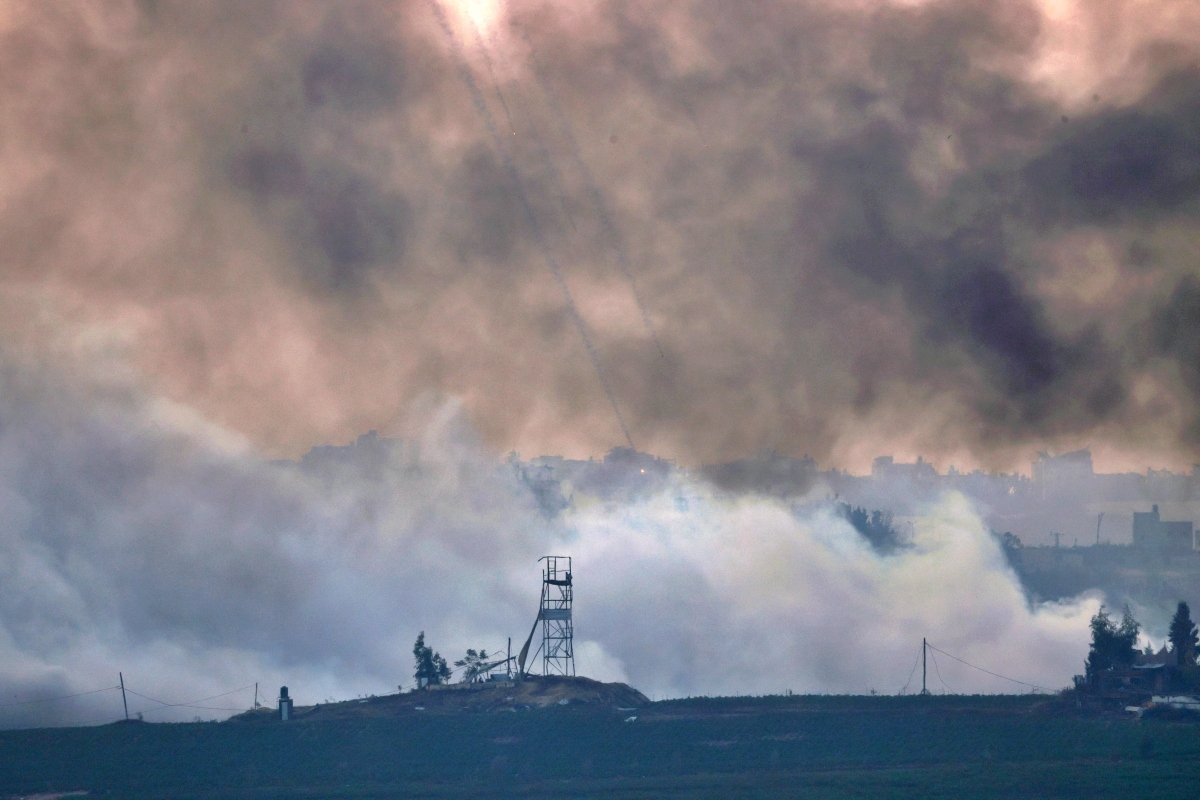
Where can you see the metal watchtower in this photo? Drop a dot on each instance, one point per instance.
(558, 649)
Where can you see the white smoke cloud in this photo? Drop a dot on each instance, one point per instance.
(133, 539)
(712, 596)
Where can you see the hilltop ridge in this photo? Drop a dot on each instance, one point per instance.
(534, 691)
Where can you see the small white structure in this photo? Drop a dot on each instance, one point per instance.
(1180, 702)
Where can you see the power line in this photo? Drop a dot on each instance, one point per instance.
(191, 703)
(62, 697)
(208, 708)
(162, 705)
(912, 672)
(144, 697)
(989, 672)
(939, 674)
(223, 694)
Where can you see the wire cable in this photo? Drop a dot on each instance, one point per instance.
(912, 672)
(939, 674)
(144, 697)
(989, 672)
(62, 697)
(211, 708)
(162, 705)
(190, 703)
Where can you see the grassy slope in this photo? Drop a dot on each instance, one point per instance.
(773, 747)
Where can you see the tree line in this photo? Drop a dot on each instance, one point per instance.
(432, 669)
(1114, 644)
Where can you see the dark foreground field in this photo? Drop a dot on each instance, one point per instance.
(810, 747)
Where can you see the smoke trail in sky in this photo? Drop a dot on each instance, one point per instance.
(487, 61)
(489, 122)
(611, 234)
(543, 153)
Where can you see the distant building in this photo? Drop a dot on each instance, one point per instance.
(885, 468)
(1068, 471)
(1152, 533)
(369, 454)
(766, 472)
(1051, 559)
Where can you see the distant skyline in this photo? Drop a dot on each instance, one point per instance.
(767, 453)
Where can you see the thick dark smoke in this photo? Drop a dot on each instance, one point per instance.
(516, 188)
(945, 227)
(1175, 333)
(230, 232)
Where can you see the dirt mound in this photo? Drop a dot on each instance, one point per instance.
(533, 692)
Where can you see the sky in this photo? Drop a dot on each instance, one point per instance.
(230, 232)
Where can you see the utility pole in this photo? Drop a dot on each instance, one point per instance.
(123, 702)
(1099, 519)
(255, 695)
(924, 647)
(508, 661)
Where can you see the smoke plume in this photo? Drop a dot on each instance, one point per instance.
(231, 232)
(959, 228)
(136, 540)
